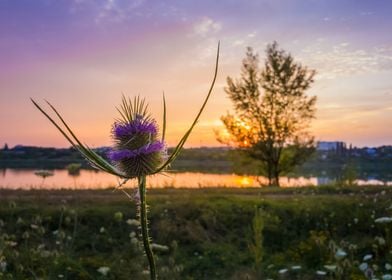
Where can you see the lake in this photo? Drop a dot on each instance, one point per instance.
(88, 179)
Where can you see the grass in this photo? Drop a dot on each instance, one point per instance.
(204, 233)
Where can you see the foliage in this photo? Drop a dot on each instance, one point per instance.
(74, 169)
(272, 112)
(203, 234)
(256, 246)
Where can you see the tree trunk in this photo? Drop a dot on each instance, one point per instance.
(276, 180)
(275, 175)
(270, 175)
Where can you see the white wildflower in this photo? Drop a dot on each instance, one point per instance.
(133, 222)
(340, 254)
(283, 271)
(363, 266)
(380, 240)
(367, 257)
(158, 247)
(3, 266)
(383, 220)
(330, 267)
(104, 270)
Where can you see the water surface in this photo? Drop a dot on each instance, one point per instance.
(87, 179)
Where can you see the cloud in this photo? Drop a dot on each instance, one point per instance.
(206, 26)
(342, 59)
(107, 11)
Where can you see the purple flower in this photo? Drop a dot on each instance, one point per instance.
(138, 125)
(137, 150)
(118, 155)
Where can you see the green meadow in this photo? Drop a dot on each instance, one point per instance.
(216, 233)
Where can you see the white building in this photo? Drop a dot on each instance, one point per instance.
(329, 146)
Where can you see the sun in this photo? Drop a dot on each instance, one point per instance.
(245, 181)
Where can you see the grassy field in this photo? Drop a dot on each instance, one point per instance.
(215, 233)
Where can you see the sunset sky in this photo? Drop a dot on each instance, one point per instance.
(82, 55)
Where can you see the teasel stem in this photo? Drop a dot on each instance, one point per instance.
(144, 226)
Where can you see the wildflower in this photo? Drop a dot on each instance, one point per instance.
(134, 241)
(388, 266)
(283, 271)
(381, 241)
(158, 247)
(383, 220)
(340, 254)
(363, 266)
(296, 267)
(11, 243)
(367, 257)
(133, 222)
(3, 266)
(137, 152)
(34, 226)
(321, 273)
(104, 270)
(330, 267)
(19, 221)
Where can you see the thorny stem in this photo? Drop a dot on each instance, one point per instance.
(144, 226)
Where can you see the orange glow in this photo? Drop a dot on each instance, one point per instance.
(245, 181)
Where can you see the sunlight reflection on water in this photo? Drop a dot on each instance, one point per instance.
(87, 179)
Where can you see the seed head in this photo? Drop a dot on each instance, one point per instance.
(137, 150)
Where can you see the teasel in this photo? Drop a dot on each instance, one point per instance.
(138, 151)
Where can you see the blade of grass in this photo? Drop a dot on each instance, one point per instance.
(164, 119)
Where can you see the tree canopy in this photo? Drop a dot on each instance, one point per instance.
(271, 112)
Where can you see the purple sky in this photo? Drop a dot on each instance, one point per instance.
(82, 55)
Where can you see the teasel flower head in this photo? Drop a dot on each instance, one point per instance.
(137, 149)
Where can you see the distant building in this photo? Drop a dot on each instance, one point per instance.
(330, 146)
(371, 152)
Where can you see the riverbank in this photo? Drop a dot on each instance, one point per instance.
(201, 233)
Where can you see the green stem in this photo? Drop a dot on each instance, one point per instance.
(144, 225)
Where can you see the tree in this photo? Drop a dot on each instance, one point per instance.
(272, 112)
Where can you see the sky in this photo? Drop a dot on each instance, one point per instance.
(82, 55)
